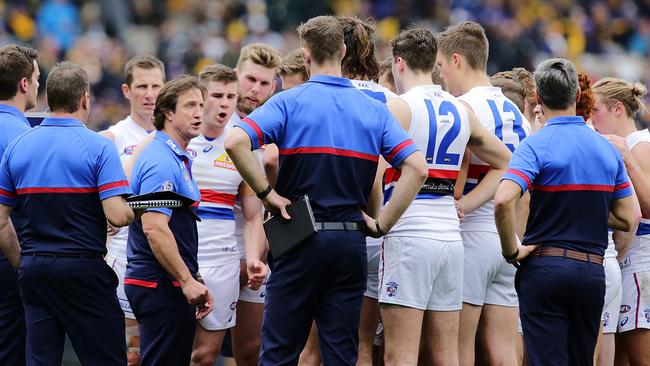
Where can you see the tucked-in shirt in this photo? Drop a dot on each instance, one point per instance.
(330, 137)
(573, 174)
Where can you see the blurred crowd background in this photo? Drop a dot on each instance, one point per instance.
(603, 37)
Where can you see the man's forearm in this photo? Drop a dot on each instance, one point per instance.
(408, 186)
(483, 192)
(254, 243)
(504, 215)
(641, 185)
(164, 248)
(239, 150)
(9, 242)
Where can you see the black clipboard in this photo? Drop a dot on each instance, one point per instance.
(168, 199)
(286, 235)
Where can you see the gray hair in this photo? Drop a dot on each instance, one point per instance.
(556, 81)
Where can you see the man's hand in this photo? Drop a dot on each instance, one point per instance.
(275, 204)
(459, 210)
(371, 226)
(111, 230)
(197, 294)
(525, 250)
(257, 272)
(621, 145)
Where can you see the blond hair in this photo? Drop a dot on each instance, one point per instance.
(260, 54)
(629, 94)
(293, 63)
(217, 72)
(467, 39)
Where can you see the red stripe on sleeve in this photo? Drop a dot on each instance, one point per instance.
(622, 186)
(522, 175)
(258, 130)
(121, 183)
(398, 148)
(7, 193)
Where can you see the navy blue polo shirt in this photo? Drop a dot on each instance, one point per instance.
(12, 124)
(162, 166)
(56, 175)
(573, 173)
(330, 137)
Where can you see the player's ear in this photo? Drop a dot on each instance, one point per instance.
(85, 101)
(306, 54)
(126, 91)
(578, 92)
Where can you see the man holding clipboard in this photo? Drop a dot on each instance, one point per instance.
(337, 135)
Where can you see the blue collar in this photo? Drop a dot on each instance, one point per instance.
(64, 122)
(566, 120)
(9, 109)
(328, 79)
(171, 144)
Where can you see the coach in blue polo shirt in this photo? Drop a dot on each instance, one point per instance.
(66, 182)
(18, 89)
(161, 280)
(578, 188)
(330, 137)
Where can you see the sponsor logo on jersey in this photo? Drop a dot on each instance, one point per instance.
(233, 305)
(625, 308)
(391, 288)
(207, 149)
(605, 318)
(624, 321)
(646, 313)
(167, 185)
(129, 149)
(223, 161)
(191, 153)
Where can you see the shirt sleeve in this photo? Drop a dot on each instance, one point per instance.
(7, 185)
(266, 123)
(622, 187)
(157, 176)
(524, 167)
(396, 143)
(111, 180)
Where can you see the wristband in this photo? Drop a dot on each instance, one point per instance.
(511, 257)
(262, 195)
(379, 230)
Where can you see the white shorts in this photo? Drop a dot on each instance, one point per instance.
(120, 268)
(422, 273)
(255, 296)
(487, 278)
(223, 284)
(613, 295)
(372, 282)
(635, 306)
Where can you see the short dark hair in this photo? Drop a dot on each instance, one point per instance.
(556, 82)
(65, 85)
(168, 97)
(323, 36)
(359, 61)
(418, 47)
(16, 62)
(293, 63)
(146, 62)
(468, 39)
(217, 72)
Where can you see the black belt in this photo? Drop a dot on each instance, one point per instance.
(64, 255)
(340, 226)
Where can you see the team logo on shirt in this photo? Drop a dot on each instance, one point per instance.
(167, 185)
(223, 161)
(391, 288)
(605, 318)
(129, 149)
(191, 153)
(625, 308)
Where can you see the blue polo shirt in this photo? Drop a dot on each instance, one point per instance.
(56, 175)
(330, 137)
(573, 174)
(162, 166)
(12, 124)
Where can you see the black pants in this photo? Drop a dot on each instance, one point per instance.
(167, 323)
(74, 296)
(323, 280)
(560, 304)
(12, 317)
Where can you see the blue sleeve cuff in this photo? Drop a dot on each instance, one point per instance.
(401, 152)
(622, 193)
(517, 179)
(117, 191)
(11, 202)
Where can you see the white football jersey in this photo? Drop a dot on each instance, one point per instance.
(127, 135)
(218, 181)
(440, 129)
(382, 94)
(501, 116)
(638, 256)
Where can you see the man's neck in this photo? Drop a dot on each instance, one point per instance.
(76, 115)
(325, 69)
(182, 143)
(472, 79)
(410, 80)
(626, 127)
(140, 121)
(568, 112)
(18, 103)
(212, 132)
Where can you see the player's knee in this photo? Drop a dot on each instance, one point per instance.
(203, 356)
